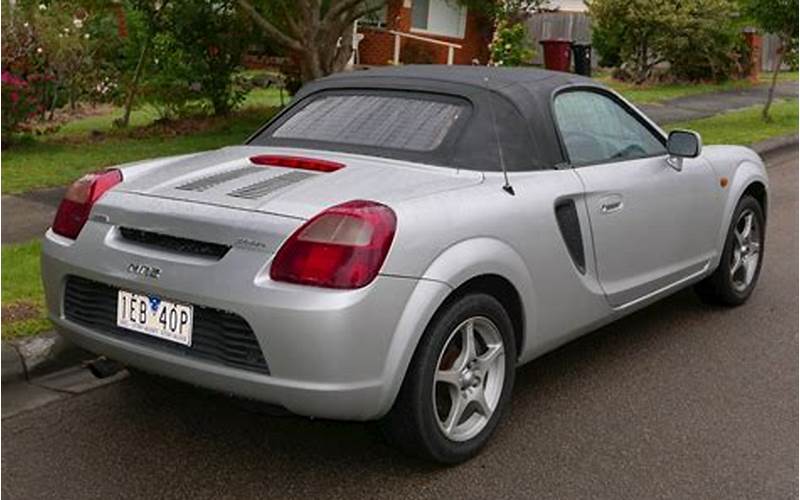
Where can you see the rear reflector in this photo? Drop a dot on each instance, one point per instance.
(342, 247)
(297, 162)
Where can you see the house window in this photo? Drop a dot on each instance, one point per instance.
(439, 17)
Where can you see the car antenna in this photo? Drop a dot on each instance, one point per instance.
(507, 187)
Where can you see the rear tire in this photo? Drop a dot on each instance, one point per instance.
(454, 395)
(740, 265)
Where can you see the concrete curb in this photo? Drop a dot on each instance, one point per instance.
(774, 144)
(41, 354)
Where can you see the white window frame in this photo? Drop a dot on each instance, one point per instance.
(462, 28)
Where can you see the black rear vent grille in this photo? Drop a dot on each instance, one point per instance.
(218, 336)
(265, 187)
(174, 243)
(210, 181)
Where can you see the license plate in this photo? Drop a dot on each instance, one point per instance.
(155, 316)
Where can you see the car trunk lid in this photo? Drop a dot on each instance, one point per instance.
(228, 178)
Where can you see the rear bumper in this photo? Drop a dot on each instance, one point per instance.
(347, 401)
(331, 354)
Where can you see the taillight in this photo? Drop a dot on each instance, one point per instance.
(300, 162)
(73, 212)
(342, 247)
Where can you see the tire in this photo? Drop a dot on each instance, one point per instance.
(727, 286)
(421, 421)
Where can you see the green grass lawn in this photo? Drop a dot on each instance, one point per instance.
(47, 163)
(745, 126)
(660, 92)
(650, 94)
(22, 295)
(59, 158)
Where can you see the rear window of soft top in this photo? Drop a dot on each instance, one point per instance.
(403, 121)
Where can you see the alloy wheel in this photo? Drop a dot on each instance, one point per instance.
(469, 378)
(746, 250)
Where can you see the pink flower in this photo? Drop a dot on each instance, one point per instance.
(14, 97)
(13, 80)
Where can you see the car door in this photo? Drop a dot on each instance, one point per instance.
(650, 222)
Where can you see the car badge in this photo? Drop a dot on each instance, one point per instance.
(145, 271)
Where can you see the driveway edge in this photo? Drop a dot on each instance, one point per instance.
(38, 355)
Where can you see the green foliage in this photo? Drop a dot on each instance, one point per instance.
(698, 38)
(53, 53)
(194, 51)
(773, 16)
(511, 45)
(779, 17)
(607, 42)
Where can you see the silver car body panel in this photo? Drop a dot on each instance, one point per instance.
(343, 353)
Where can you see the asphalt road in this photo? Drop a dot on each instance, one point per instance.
(681, 400)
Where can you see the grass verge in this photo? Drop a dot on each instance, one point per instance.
(660, 92)
(745, 126)
(23, 311)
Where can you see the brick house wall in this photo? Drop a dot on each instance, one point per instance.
(377, 47)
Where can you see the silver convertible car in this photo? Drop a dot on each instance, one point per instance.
(395, 242)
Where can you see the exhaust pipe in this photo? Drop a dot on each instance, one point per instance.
(104, 368)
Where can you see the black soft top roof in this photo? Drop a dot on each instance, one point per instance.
(518, 100)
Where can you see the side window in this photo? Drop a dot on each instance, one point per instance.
(596, 129)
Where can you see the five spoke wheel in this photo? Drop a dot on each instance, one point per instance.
(746, 250)
(469, 378)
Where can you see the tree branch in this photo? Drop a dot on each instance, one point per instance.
(268, 28)
(338, 8)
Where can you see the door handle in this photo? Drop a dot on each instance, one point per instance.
(611, 204)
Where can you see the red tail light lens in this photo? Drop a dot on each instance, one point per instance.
(73, 212)
(342, 247)
(297, 162)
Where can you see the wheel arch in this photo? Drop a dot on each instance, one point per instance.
(758, 190)
(502, 290)
(749, 177)
(484, 264)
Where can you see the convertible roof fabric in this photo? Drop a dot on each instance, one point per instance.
(511, 106)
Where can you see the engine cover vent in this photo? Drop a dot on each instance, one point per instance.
(210, 181)
(265, 187)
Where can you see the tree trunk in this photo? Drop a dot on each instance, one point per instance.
(137, 75)
(771, 93)
(310, 67)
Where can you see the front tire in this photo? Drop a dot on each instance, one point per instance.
(458, 384)
(740, 265)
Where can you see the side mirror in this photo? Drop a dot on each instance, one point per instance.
(683, 144)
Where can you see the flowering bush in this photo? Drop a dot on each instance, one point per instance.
(511, 45)
(51, 56)
(18, 102)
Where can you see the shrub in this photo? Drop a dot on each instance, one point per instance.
(698, 38)
(18, 103)
(196, 50)
(511, 45)
(52, 55)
